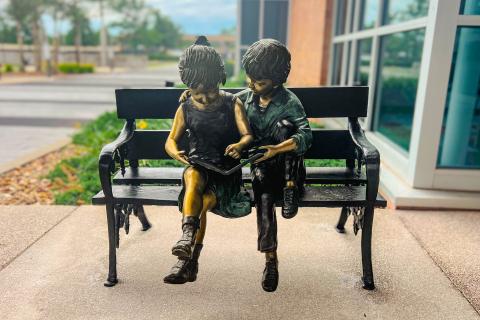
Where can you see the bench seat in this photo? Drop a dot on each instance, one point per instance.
(325, 196)
(169, 175)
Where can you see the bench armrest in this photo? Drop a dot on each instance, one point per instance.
(370, 155)
(106, 160)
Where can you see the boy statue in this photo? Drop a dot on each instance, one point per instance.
(280, 127)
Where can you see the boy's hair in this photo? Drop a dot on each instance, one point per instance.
(200, 64)
(267, 59)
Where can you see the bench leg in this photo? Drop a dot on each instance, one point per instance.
(367, 278)
(342, 220)
(112, 250)
(143, 218)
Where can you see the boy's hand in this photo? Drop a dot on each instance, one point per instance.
(234, 151)
(184, 96)
(180, 156)
(271, 151)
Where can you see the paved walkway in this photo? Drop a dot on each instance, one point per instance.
(57, 271)
(37, 112)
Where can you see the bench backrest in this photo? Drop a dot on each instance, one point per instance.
(319, 102)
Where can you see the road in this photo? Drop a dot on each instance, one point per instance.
(37, 114)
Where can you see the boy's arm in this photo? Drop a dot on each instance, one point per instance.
(303, 136)
(235, 150)
(243, 95)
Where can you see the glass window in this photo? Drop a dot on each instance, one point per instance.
(352, 14)
(470, 7)
(460, 140)
(362, 62)
(341, 17)
(368, 14)
(403, 10)
(337, 63)
(399, 66)
(250, 15)
(274, 26)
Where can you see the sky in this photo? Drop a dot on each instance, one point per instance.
(193, 16)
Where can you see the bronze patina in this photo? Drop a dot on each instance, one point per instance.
(215, 125)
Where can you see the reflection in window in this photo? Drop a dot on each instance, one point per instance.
(460, 141)
(400, 57)
(337, 63)
(341, 16)
(362, 62)
(470, 7)
(368, 14)
(404, 10)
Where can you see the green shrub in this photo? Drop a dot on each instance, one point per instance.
(70, 67)
(229, 68)
(8, 68)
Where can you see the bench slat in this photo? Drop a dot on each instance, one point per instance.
(168, 195)
(169, 175)
(327, 144)
(319, 102)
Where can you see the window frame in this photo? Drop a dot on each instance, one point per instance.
(418, 167)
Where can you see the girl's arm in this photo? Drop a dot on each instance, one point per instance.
(176, 133)
(235, 150)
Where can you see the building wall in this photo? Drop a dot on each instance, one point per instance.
(309, 41)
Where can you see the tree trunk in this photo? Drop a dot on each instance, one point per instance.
(37, 45)
(56, 44)
(78, 42)
(20, 46)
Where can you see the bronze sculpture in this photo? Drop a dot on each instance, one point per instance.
(280, 127)
(217, 132)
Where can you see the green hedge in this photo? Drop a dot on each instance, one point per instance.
(76, 68)
(8, 68)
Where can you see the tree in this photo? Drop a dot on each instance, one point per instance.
(21, 12)
(144, 28)
(79, 20)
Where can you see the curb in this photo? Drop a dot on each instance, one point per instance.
(33, 155)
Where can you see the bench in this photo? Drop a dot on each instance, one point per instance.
(353, 187)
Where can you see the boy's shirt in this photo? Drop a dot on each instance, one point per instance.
(284, 105)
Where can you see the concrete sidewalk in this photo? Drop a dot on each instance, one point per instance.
(58, 271)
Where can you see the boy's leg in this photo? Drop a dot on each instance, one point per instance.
(264, 184)
(294, 171)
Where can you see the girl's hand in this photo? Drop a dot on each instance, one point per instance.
(271, 151)
(234, 151)
(180, 156)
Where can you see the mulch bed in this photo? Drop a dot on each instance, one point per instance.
(28, 184)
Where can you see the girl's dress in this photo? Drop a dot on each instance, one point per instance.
(209, 132)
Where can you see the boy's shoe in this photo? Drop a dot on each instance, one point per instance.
(270, 276)
(290, 202)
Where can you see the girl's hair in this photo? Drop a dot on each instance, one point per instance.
(267, 59)
(200, 64)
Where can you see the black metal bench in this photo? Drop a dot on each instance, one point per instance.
(353, 187)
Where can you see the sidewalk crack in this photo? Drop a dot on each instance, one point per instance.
(2, 267)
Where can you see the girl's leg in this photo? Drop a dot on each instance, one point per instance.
(209, 202)
(186, 270)
(195, 183)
